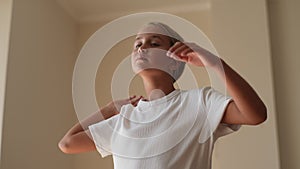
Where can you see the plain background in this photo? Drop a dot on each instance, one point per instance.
(40, 40)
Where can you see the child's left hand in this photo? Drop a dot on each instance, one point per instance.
(193, 54)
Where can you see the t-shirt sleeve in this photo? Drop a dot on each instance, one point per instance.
(102, 133)
(214, 105)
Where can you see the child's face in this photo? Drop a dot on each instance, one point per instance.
(149, 51)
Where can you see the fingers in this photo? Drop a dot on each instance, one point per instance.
(132, 97)
(134, 100)
(179, 51)
(186, 51)
(174, 47)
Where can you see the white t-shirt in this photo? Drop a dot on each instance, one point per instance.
(176, 131)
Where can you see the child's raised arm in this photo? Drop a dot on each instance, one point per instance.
(246, 107)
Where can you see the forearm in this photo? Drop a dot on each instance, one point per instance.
(246, 99)
(104, 113)
(77, 143)
(78, 138)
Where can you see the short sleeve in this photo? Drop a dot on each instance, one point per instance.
(214, 105)
(102, 133)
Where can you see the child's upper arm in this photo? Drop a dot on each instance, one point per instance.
(232, 115)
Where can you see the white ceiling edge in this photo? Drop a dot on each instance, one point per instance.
(191, 7)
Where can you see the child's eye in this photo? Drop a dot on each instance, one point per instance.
(138, 45)
(155, 44)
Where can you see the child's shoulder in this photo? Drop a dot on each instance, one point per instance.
(200, 90)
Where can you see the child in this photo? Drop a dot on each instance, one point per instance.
(170, 128)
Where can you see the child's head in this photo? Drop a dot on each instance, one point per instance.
(152, 42)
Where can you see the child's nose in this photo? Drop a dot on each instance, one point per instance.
(142, 49)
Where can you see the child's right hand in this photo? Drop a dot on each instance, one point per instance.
(115, 106)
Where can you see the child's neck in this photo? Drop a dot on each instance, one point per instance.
(157, 88)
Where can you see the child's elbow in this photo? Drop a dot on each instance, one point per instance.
(64, 146)
(262, 116)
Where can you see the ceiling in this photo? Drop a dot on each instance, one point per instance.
(104, 10)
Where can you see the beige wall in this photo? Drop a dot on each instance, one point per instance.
(38, 102)
(241, 35)
(285, 39)
(44, 44)
(5, 20)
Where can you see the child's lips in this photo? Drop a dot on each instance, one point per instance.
(141, 60)
(141, 57)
